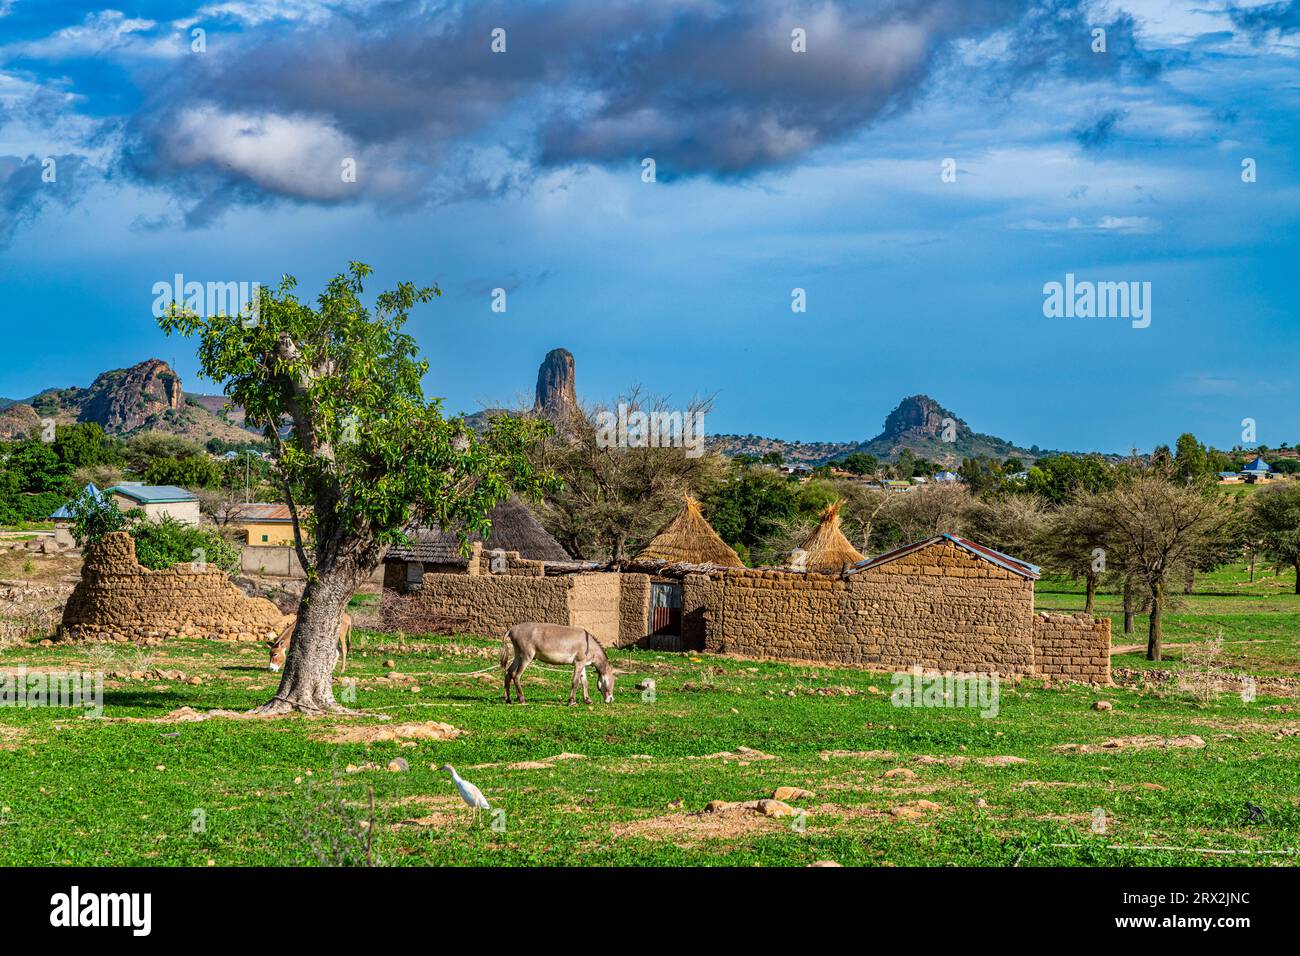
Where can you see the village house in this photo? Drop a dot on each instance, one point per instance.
(262, 524)
(945, 602)
(156, 501)
(62, 518)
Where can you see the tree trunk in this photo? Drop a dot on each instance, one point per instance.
(1297, 577)
(1128, 605)
(1189, 582)
(308, 681)
(1157, 611)
(1252, 567)
(1091, 593)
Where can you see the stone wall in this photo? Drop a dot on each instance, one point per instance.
(117, 599)
(594, 605)
(1072, 647)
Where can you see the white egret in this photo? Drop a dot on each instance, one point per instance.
(471, 794)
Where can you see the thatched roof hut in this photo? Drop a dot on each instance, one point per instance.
(514, 528)
(826, 548)
(689, 539)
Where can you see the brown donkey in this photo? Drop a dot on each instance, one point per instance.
(557, 644)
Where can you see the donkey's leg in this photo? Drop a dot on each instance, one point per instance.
(509, 668)
(586, 698)
(573, 684)
(522, 663)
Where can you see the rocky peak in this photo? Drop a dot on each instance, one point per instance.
(557, 395)
(919, 416)
(125, 399)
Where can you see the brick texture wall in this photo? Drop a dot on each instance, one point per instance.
(938, 608)
(1072, 647)
(117, 599)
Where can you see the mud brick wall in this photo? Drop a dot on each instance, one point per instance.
(117, 599)
(943, 608)
(486, 604)
(938, 608)
(633, 608)
(594, 605)
(1072, 647)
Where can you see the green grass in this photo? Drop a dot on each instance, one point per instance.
(1259, 622)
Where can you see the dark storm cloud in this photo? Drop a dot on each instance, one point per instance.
(1098, 133)
(1259, 21)
(25, 187)
(428, 112)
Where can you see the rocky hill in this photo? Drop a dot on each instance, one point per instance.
(919, 424)
(144, 397)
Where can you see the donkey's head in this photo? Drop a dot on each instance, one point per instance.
(279, 651)
(605, 683)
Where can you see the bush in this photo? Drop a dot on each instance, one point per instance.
(169, 542)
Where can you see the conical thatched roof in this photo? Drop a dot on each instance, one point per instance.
(689, 539)
(827, 548)
(514, 528)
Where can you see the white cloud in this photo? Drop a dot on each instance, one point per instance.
(296, 155)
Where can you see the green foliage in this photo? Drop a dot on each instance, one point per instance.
(85, 444)
(369, 454)
(160, 545)
(1275, 518)
(146, 447)
(859, 463)
(93, 518)
(1058, 478)
(194, 471)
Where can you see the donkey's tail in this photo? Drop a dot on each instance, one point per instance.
(506, 648)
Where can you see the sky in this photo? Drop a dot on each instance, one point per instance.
(920, 169)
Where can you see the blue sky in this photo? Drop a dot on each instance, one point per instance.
(775, 170)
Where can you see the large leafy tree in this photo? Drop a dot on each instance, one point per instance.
(1275, 524)
(336, 390)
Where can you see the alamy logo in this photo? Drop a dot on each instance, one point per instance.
(208, 299)
(633, 428)
(1101, 300)
(73, 909)
(916, 688)
(84, 689)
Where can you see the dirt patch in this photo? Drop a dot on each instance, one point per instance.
(9, 737)
(858, 754)
(741, 754)
(958, 760)
(184, 715)
(1140, 742)
(429, 730)
(692, 829)
(443, 813)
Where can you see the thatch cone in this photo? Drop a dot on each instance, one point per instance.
(826, 547)
(689, 539)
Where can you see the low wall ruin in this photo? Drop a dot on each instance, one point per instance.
(118, 599)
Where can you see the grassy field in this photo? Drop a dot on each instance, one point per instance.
(626, 784)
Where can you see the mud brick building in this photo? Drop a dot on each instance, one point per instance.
(945, 603)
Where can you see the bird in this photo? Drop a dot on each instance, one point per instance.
(471, 794)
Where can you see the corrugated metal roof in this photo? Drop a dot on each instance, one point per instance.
(263, 511)
(152, 494)
(1004, 561)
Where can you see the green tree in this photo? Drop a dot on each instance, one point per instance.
(93, 518)
(85, 444)
(1275, 523)
(859, 463)
(751, 510)
(371, 455)
(1191, 461)
(1058, 478)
